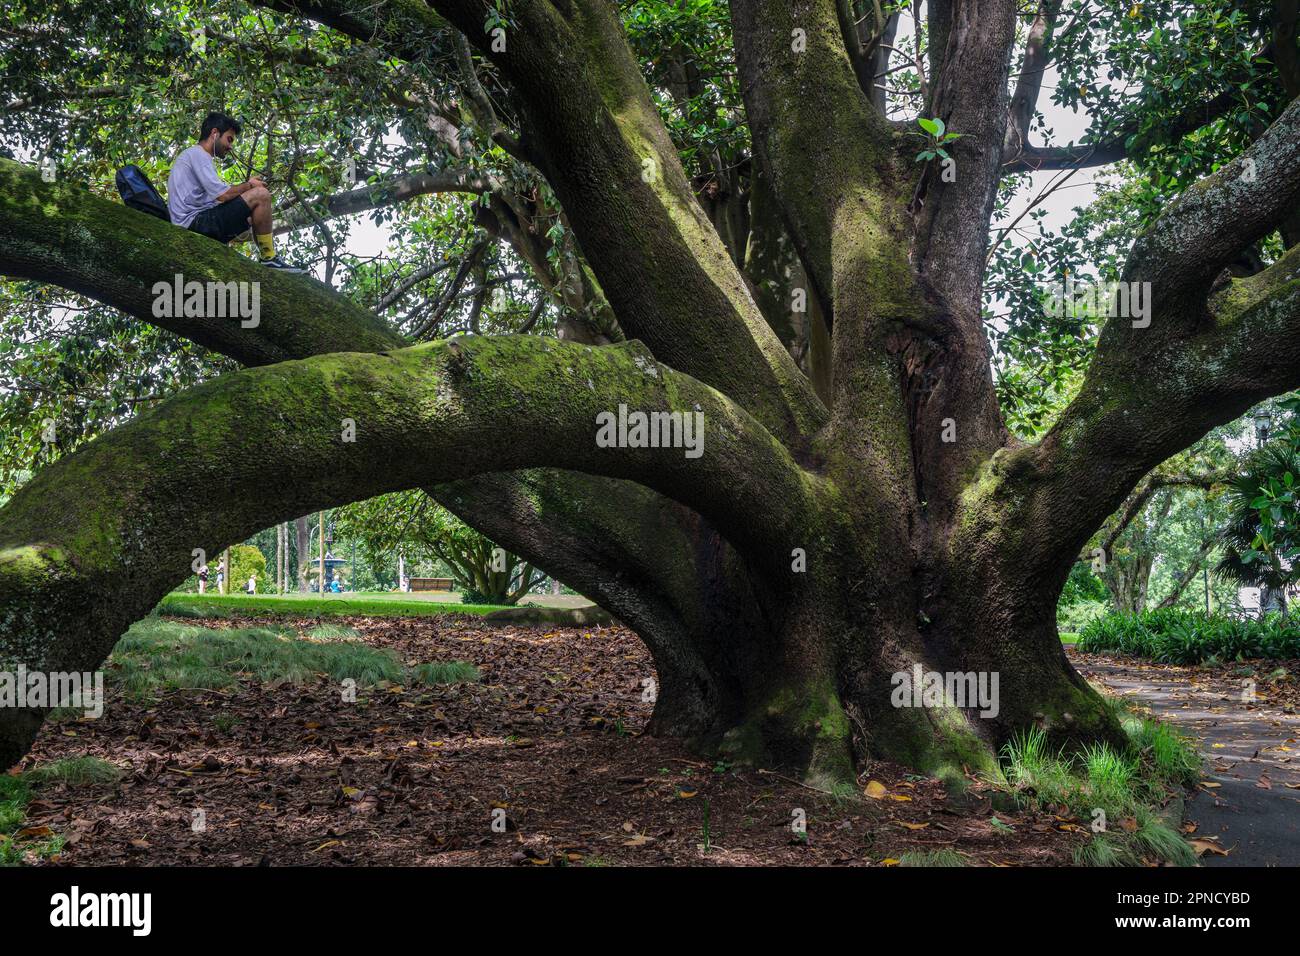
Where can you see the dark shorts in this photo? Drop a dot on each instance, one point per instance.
(224, 221)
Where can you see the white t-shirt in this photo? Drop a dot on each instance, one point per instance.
(193, 185)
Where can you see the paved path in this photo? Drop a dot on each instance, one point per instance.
(1251, 751)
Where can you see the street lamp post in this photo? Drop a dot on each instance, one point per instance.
(1261, 423)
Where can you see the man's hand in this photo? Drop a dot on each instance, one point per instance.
(252, 183)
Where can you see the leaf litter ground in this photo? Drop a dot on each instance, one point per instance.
(548, 745)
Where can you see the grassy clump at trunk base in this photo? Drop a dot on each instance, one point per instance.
(1116, 794)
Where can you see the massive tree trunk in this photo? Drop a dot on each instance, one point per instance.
(827, 539)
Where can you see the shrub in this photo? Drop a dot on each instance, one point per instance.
(1176, 636)
(245, 561)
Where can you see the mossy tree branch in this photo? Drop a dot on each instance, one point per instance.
(94, 540)
(1155, 386)
(64, 234)
(1049, 498)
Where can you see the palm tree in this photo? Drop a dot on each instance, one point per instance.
(1262, 537)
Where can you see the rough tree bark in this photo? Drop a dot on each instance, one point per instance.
(818, 547)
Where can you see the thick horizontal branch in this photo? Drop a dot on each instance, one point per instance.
(63, 234)
(117, 256)
(1033, 159)
(94, 540)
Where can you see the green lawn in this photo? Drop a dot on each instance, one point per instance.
(185, 604)
(157, 655)
(1068, 637)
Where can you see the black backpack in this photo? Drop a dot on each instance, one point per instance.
(138, 193)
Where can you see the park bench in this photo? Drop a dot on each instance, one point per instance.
(430, 584)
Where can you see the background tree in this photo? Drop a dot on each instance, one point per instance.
(414, 525)
(1262, 534)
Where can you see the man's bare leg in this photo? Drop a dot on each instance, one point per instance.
(261, 219)
(258, 200)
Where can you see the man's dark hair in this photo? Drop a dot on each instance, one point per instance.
(220, 122)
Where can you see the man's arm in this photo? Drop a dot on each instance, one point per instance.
(239, 190)
(217, 185)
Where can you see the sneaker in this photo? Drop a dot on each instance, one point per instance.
(275, 262)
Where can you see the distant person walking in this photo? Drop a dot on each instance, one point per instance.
(203, 579)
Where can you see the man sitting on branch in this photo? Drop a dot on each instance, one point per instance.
(202, 202)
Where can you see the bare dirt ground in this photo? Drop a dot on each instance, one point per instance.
(549, 743)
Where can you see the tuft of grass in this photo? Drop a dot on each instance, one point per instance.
(14, 794)
(1152, 838)
(157, 655)
(1101, 850)
(75, 772)
(334, 632)
(436, 673)
(1172, 757)
(1110, 776)
(1162, 841)
(225, 723)
(843, 792)
(1038, 774)
(928, 858)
